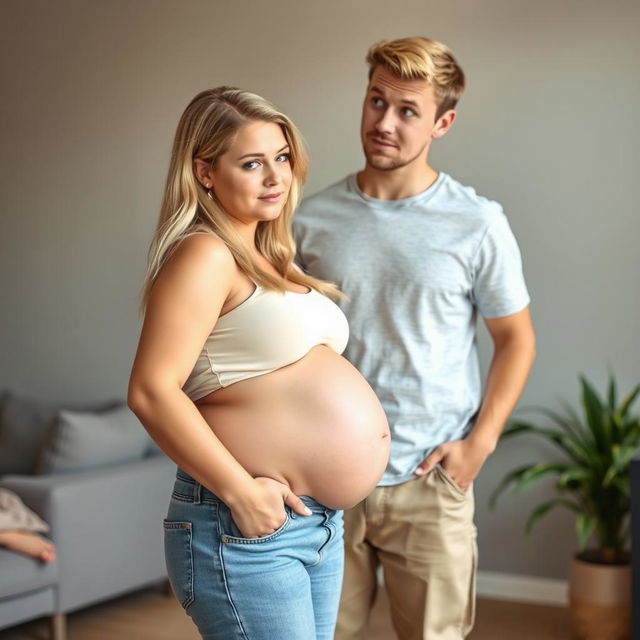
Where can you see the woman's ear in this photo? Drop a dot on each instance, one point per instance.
(204, 172)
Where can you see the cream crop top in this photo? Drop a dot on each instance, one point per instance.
(267, 331)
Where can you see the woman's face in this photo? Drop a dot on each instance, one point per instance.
(252, 179)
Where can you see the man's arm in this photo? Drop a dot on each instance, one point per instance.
(514, 351)
(513, 355)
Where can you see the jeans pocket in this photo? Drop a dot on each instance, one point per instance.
(179, 558)
(230, 534)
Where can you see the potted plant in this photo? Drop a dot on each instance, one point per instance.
(592, 478)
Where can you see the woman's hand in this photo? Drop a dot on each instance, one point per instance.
(264, 512)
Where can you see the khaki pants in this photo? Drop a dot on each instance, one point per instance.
(422, 533)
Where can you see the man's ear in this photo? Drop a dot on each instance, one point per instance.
(443, 124)
(204, 172)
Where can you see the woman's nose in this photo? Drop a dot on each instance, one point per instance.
(272, 176)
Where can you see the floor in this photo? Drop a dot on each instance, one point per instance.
(152, 615)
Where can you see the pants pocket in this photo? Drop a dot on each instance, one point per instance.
(448, 480)
(230, 534)
(178, 537)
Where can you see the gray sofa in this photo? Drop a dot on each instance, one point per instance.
(97, 479)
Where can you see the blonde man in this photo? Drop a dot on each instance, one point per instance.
(419, 255)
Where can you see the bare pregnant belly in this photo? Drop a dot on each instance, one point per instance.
(315, 425)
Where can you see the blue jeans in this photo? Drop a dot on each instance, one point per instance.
(284, 586)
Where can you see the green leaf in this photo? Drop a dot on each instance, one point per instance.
(569, 445)
(572, 475)
(515, 427)
(536, 472)
(620, 463)
(594, 412)
(631, 437)
(544, 508)
(628, 401)
(612, 394)
(627, 429)
(570, 423)
(623, 487)
(585, 526)
(510, 478)
(579, 426)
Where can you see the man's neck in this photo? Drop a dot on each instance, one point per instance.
(396, 184)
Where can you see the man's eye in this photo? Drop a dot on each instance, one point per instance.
(249, 166)
(377, 102)
(407, 112)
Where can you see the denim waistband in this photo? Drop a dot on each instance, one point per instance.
(202, 494)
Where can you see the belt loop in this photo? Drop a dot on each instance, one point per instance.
(197, 493)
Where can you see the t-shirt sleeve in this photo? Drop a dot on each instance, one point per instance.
(499, 288)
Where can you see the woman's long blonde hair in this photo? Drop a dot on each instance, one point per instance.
(205, 131)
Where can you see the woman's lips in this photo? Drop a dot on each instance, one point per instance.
(271, 197)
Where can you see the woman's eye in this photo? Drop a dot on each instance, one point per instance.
(249, 166)
(283, 157)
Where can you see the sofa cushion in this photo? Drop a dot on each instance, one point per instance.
(24, 425)
(81, 440)
(21, 574)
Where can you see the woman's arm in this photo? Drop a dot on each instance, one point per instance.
(183, 307)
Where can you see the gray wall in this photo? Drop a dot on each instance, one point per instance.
(92, 92)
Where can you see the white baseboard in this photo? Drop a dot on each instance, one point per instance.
(505, 586)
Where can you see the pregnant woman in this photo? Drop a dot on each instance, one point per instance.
(239, 378)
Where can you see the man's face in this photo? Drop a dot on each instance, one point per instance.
(398, 121)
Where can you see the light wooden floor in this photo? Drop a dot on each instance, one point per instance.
(151, 615)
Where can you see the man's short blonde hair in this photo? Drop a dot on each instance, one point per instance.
(421, 59)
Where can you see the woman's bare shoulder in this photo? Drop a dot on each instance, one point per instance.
(202, 252)
(200, 265)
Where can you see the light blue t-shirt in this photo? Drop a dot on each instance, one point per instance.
(416, 272)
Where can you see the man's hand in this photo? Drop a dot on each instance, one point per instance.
(461, 459)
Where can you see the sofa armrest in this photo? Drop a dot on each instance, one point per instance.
(106, 523)
(34, 491)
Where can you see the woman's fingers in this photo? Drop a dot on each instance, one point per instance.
(268, 516)
(293, 501)
(290, 498)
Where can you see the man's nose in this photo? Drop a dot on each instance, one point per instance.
(386, 122)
